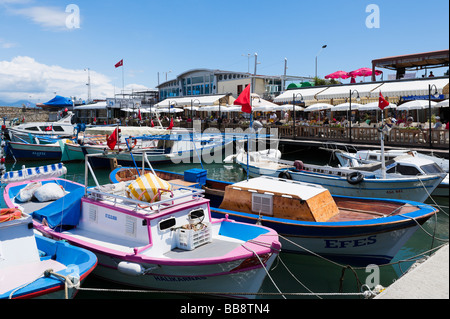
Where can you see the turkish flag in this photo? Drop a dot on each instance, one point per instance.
(382, 103)
(139, 115)
(120, 63)
(112, 140)
(244, 100)
(153, 125)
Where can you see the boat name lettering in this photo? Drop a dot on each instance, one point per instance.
(38, 154)
(393, 191)
(333, 243)
(111, 216)
(164, 278)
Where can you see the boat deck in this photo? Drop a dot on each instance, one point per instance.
(366, 210)
(18, 275)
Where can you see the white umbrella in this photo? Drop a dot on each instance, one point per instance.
(172, 110)
(288, 107)
(442, 103)
(373, 106)
(127, 110)
(415, 105)
(345, 107)
(318, 107)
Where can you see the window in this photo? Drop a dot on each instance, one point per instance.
(262, 203)
(404, 170)
(57, 128)
(432, 168)
(167, 223)
(32, 128)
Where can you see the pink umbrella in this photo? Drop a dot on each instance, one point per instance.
(364, 72)
(338, 75)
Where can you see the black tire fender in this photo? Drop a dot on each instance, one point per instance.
(355, 178)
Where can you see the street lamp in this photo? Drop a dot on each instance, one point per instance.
(323, 47)
(435, 94)
(350, 111)
(293, 112)
(192, 112)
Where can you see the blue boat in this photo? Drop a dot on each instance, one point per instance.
(353, 230)
(33, 266)
(35, 152)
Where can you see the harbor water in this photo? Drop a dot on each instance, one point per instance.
(292, 276)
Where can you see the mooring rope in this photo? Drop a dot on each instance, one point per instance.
(47, 273)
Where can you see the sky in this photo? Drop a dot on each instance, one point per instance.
(46, 46)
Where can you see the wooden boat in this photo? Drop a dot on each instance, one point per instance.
(172, 243)
(357, 231)
(25, 257)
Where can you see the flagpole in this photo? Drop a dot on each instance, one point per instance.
(123, 82)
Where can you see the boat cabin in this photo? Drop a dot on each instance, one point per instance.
(280, 198)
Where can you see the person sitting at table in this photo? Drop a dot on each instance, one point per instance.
(438, 124)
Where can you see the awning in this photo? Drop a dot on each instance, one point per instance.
(307, 93)
(343, 91)
(195, 100)
(408, 88)
(95, 106)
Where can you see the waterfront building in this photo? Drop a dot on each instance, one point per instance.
(198, 82)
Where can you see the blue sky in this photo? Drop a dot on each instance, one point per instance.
(41, 55)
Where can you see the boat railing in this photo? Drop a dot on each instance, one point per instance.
(189, 193)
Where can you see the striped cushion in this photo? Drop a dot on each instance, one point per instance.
(147, 184)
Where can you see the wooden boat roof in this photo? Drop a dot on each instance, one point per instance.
(273, 185)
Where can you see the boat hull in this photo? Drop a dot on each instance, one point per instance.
(35, 152)
(355, 243)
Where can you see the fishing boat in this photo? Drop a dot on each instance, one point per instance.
(168, 242)
(371, 156)
(61, 128)
(33, 266)
(34, 152)
(369, 182)
(357, 231)
(405, 165)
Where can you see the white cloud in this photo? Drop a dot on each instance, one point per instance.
(25, 78)
(48, 17)
(6, 45)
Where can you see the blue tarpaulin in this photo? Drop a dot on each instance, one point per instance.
(59, 101)
(64, 211)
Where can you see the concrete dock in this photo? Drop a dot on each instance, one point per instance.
(425, 280)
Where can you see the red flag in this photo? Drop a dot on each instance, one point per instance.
(120, 63)
(382, 103)
(112, 140)
(244, 100)
(171, 124)
(153, 125)
(139, 115)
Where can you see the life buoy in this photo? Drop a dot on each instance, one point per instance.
(130, 147)
(285, 175)
(8, 214)
(355, 178)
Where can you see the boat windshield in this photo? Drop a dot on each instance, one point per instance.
(431, 168)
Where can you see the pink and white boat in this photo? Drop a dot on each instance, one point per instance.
(171, 243)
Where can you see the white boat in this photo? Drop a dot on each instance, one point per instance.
(175, 147)
(169, 242)
(406, 165)
(349, 181)
(370, 156)
(60, 128)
